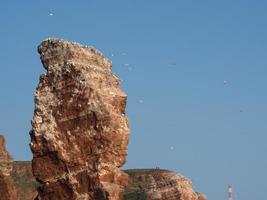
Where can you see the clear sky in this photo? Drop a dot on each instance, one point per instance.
(195, 73)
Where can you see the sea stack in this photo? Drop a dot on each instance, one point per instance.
(80, 133)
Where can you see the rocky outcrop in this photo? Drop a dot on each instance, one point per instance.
(156, 184)
(5, 158)
(7, 187)
(80, 133)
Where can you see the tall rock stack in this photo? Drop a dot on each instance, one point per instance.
(80, 133)
(7, 187)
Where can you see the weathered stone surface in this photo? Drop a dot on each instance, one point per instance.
(7, 187)
(80, 133)
(156, 184)
(5, 158)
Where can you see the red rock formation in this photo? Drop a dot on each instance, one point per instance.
(80, 133)
(161, 185)
(7, 187)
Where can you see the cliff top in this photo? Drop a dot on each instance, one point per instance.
(58, 52)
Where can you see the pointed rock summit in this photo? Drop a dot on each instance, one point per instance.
(80, 133)
(5, 158)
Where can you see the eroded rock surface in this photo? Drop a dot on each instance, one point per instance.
(80, 133)
(7, 187)
(156, 184)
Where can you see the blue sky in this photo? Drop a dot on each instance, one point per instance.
(194, 71)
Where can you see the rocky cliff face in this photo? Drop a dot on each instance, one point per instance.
(7, 187)
(143, 184)
(80, 133)
(156, 184)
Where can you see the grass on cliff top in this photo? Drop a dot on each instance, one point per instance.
(25, 163)
(23, 178)
(132, 172)
(134, 195)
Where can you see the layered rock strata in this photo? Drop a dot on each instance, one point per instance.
(159, 184)
(80, 133)
(7, 187)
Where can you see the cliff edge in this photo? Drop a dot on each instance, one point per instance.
(158, 184)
